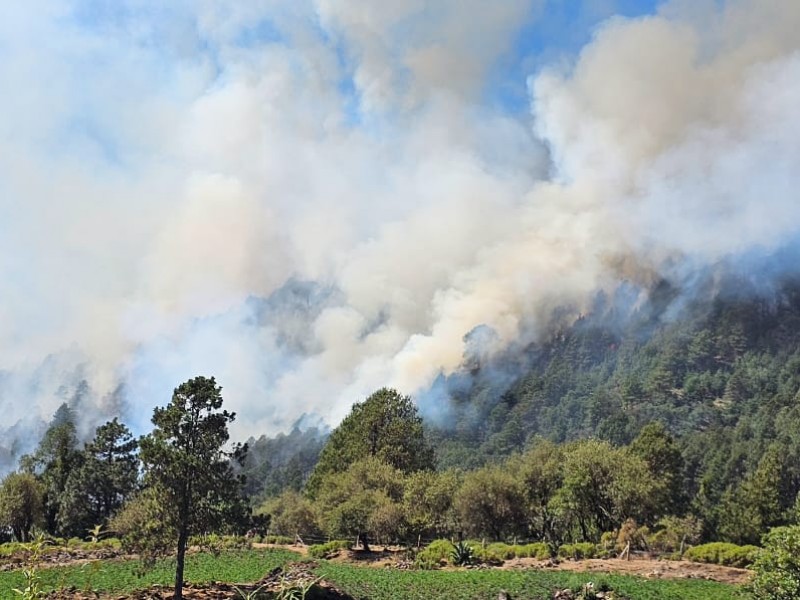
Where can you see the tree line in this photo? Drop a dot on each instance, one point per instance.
(376, 479)
(154, 492)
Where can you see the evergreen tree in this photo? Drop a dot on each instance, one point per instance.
(184, 458)
(56, 457)
(664, 460)
(105, 479)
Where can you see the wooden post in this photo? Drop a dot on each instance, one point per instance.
(626, 552)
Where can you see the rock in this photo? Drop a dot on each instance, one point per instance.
(503, 595)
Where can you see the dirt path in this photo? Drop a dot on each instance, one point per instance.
(294, 548)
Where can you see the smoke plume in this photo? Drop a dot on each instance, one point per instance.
(314, 199)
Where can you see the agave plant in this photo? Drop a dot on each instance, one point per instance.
(462, 554)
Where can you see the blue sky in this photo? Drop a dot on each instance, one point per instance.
(558, 32)
(553, 31)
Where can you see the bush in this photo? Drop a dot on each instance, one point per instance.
(777, 567)
(289, 514)
(12, 549)
(673, 533)
(578, 551)
(484, 554)
(214, 542)
(283, 540)
(328, 549)
(723, 553)
(501, 550)
(435, 554)
(144, 526)
(539, 550)
(631, 533)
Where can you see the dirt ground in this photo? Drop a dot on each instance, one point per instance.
(666, 569)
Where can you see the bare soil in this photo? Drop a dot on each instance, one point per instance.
(641, 567)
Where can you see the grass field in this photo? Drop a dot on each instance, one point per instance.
(369, 583)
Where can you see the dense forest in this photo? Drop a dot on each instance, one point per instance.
(680, 423)
(716, 377)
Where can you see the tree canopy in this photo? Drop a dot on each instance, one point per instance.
(21, 504)
(386, 426)
(104, 479)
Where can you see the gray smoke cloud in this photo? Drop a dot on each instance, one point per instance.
(311, 200)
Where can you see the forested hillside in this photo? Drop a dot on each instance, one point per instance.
(665, 409)
(719, 373)
(721, 376)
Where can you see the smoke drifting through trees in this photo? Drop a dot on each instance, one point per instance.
(361, 206)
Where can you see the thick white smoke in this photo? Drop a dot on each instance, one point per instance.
(171, 180)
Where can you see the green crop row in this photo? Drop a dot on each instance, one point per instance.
(392, 584)
(114, 576)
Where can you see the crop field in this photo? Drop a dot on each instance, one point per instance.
(122, 576)
(363, 582)
(386, 584)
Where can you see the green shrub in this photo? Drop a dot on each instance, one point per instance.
(777, 567)
(484, 555)
(434, 554)
(608, 540)
(277, 539)
(214, 542)
(723, 553)
(501, 550)
(539, 550)
(327, 549)
(578, 550)
(108, 543)
(674, 533)
(11, 549)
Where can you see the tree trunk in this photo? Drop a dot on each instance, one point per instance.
(182, 540)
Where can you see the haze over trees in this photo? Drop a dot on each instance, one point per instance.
(657, 434)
